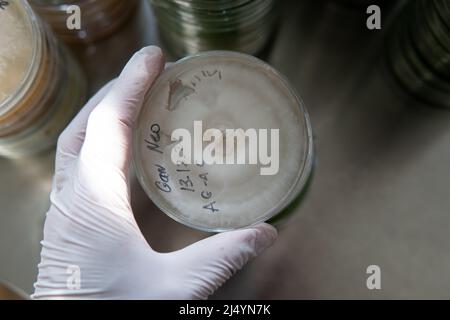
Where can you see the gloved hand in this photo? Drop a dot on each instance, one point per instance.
(92, 246)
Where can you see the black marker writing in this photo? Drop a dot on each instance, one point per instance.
(154, 139)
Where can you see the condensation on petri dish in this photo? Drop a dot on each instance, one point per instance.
(224, 92)
(16, 48)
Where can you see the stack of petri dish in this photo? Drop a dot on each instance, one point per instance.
(99, 18)
(189, 27)
(41, 86)
(419, 51)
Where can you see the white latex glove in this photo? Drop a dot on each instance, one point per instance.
(90, 226)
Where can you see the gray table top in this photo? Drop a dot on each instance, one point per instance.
(380, 195)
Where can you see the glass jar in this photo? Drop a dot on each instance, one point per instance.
(99, 18)
(41, 85)
(190, 27)
(223, 92)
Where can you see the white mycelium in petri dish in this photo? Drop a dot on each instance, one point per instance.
(223, 90)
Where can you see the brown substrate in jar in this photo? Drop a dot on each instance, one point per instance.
(39, 97)
(42, 134)
(100, 18)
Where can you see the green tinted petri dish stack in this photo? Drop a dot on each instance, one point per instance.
(189, 27)
(419, 51)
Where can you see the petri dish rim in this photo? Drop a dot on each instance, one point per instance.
(304, 171)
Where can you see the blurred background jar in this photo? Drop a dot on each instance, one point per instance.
(41, 85)
(10, 292)
(419, 51)
(192, 26)
(99, 18)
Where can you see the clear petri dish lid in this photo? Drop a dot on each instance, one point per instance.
(222, 142)
(18, 51)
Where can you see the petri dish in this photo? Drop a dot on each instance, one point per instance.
(222, 92)
(41, 85)
(99, 18)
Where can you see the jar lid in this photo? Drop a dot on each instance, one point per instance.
(230, 107)
(16, 50)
